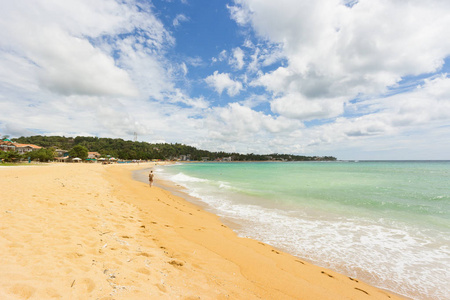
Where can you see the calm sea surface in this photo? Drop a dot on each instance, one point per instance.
(387, 223)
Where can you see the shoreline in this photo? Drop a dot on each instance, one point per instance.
(182, 192)
(109, 236)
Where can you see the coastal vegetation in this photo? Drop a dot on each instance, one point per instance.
(43, 155)
(128, 150)
(79, 151)
(9, 156)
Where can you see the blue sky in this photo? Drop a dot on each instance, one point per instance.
(354, 79)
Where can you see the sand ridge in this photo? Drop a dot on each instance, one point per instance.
(89, 231)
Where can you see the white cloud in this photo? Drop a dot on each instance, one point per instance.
(82, 67)
(178, 19)
(223, 55)
(254, 64)
(240, 14)
(418, 114)
(184, 69)
(428, 103)
(244, 126)
(148, 69)
(254, 100)
(194, 61)
(63, 43)
(248, 44)
(237, 61)
(397, 125)
(76, 67)
(179, 97)
(296, 106)
(335, 51)
(222, 81)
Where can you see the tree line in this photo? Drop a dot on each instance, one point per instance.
(128, 150)
(43, 154)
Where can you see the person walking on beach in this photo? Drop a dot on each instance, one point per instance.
(150, 178)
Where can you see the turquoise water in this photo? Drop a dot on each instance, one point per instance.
(387, 223)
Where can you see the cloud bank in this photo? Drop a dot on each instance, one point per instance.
(355, 79)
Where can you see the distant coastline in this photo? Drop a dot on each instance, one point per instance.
(134, 150)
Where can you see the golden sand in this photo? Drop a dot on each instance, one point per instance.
(89, 231)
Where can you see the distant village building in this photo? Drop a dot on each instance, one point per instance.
(93, 155)
(25, 148)
(226, 158)
(7, 145)
(185, 157)
(61, 153)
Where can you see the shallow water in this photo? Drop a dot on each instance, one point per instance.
(386, 223)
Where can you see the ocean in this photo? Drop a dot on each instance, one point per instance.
(385, 222)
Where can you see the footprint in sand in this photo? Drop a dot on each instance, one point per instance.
(72, 255)
(145, 254)
(143, 271)
(161, 287)
(86, 283)
(361, 290)
(176, 263)
(52, 293)
(331, 276)
(23, 291)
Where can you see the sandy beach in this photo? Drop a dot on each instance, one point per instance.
(89, 231)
